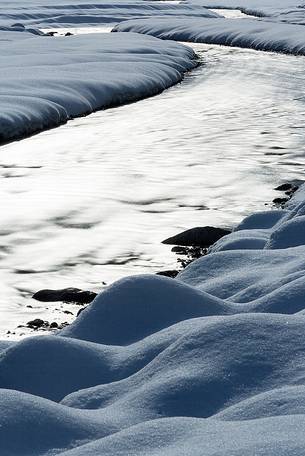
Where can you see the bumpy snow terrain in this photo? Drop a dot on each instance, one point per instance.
(47, 80)
(209, 363)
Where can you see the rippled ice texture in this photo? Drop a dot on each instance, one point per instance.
(207, 151)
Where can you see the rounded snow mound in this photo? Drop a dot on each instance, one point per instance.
(136, 307)
(288, 234)
(31, 426)
(206, 370)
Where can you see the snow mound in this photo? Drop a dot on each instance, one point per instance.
(150, 304)
(47, 80)
(209, 363)
(207, 369)
(31, 426)
(68, 13)
(245, 33)
(288, 234)
(276, 436)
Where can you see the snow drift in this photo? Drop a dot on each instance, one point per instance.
(209, 363)
(245, 33)
(68, 13)
(47, 80)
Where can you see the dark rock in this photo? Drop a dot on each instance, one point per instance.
(284, 187)
(204, 236)
(280, 201)
(51, 33)
(67, 312)
(180, 250)
(54, 325)
(30, 307)
(172, 273)
(37, 323)
(192, 254)
(68, 34)
(69, 295)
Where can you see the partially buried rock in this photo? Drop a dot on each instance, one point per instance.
(172, 273)
(284, 187)
(204, 236)
(179, 250)
(37, 323)
(70, 295)
(280, 201)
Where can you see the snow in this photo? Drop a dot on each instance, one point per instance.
(281, 10)
(47, 80)
(68, 13)
(211, 362)
(245, 33)
(208, 363)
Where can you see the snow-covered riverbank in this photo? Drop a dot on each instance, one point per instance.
(245, 33)
(212, 362)
(107, 188)
(65, 77)
(154, 364)
(85, 13)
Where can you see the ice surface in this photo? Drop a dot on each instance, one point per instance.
(209, 363)
(47, 80)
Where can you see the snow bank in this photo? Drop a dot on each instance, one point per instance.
(47, 80)
(259, 8)
(245, 33)
(208, 363)
(68, 13)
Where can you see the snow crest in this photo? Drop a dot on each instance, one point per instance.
(211, 362)
(46, 81)
(263, 35)
(67, 13)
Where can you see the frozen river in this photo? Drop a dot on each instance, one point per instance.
(92, 200)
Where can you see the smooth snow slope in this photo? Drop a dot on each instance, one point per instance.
(245, 33)
(68, 13)
(209, 363)
(45, 81)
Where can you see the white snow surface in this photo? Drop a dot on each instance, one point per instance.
(291, 11)
(211, 362)
(264, 35)
(69, 13)
(45, 81)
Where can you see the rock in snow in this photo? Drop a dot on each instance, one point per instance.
(211, 362)
(202, 236)
(70, 295)
(47, 80)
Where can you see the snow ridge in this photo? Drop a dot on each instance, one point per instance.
(65, 77)
(245, 33)
(209, 363)
(69, 13)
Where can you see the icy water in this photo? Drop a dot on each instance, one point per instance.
(92, 200)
